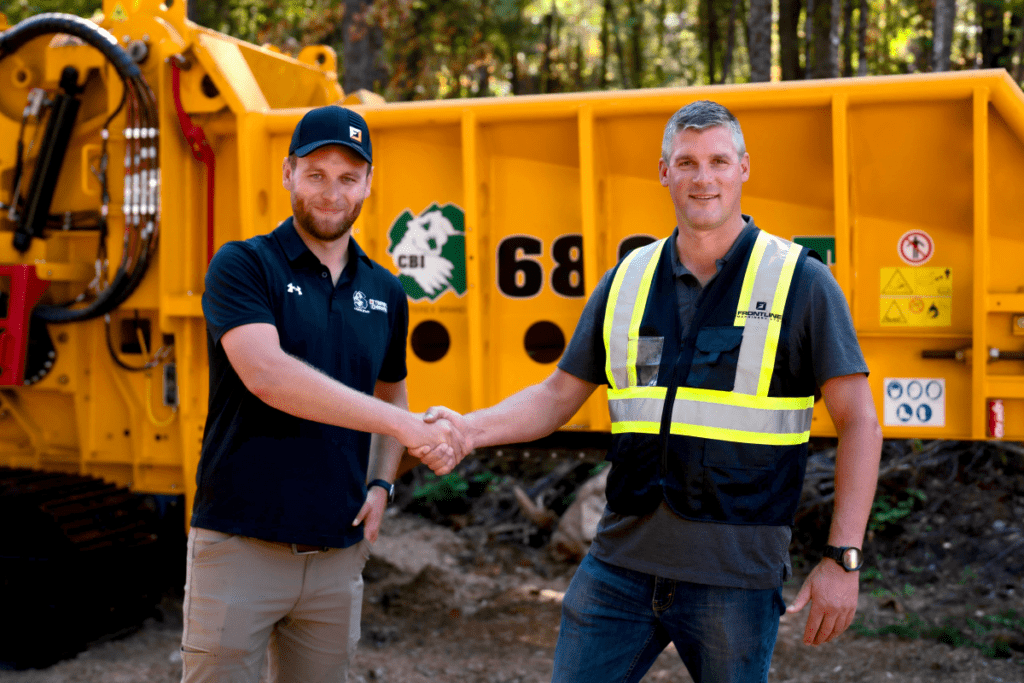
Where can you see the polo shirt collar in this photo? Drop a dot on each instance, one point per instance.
(294, 248)
(679, 270)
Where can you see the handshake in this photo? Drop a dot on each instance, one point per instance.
(440, 438)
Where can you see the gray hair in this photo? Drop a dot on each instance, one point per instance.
(701, 115)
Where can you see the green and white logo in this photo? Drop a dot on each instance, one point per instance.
(430, 251)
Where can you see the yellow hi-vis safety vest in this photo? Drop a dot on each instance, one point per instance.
(746, 414)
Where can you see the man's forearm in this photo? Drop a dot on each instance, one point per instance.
(856, 476)
(386, 451)
(294, 387)
(530, 414)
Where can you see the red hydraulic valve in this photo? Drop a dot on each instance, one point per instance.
(23, 294)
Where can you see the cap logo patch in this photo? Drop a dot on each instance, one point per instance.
(355, 134)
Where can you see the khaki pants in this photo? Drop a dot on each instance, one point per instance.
(247, 601)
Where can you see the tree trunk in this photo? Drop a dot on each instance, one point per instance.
(659, 68)
(990, 39)
(712, 37)
(833, 39)
(730, 42)
(826, 42)
(789, 40)
(760, 46)
(848, 38)
(549, 37)
(636, 40)
(606, 21)
(862, 39)
(362, 45)
(620, 52)
(942, 34)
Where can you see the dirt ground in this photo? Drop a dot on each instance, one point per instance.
(462, 587)
(444, 606)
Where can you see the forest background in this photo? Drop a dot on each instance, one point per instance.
(430, 49)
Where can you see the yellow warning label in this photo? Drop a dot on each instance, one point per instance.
(893, 315)
(916, 297)
(897, 284)
(119, 14)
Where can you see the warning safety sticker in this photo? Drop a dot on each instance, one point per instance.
(916, 297)
(915, 402)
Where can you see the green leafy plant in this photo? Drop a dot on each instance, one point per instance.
(962, 632)
(436, 489)
(885, 512)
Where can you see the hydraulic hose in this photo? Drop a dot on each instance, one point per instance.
(141, 206)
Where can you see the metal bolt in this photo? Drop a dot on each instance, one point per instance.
(1020, 321)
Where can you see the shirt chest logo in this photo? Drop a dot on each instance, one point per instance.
(361, 303)
(294, 289)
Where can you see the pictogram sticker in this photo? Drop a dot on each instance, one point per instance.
(119, 14)
(915, 247)
(897, 285)
(916, 297)
(915, 402)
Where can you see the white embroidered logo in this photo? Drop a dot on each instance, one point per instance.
(381, 306)
(359, 302)
(294, 289)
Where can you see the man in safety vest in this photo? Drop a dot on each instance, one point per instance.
(714, 343)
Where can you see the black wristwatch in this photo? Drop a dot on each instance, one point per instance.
(849, 558)
(387, 486)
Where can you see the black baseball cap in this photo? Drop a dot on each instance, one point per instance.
(331, 125)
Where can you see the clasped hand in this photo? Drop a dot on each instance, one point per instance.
(440, 440)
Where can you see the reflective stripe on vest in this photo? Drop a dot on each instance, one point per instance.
(710, 414)
(746, 414)
(631, 284)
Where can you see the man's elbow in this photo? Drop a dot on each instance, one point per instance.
(261, 381)
(864, 427)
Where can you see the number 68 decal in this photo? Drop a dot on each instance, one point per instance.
(521, 276)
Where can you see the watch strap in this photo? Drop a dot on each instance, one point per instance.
(386, 485)
(838, 554)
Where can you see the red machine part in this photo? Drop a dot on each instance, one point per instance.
(201, 150)
(23, 294)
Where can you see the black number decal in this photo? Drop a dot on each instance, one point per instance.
(518, 275)
(567, 277)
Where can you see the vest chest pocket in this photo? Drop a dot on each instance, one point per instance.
(648, 360)
(715, 356)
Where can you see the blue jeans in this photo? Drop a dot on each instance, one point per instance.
(615, 623)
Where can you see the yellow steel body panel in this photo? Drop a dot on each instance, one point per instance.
(915, 176)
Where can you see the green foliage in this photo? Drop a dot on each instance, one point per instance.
(442, 489)
(967, 574)
(886, 511)
(467, 48)
(870, 574)
(453, 486)
(16, 10)
(955, 632)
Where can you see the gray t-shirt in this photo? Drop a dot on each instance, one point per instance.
(733, 555)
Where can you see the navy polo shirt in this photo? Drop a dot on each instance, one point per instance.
(265, 473)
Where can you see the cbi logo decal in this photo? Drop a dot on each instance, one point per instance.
(429, 251)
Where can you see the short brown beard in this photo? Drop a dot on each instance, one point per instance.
(304, 219)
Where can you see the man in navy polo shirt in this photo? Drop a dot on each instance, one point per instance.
(306, 338)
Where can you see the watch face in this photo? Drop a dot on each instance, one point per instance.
(851, 558)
